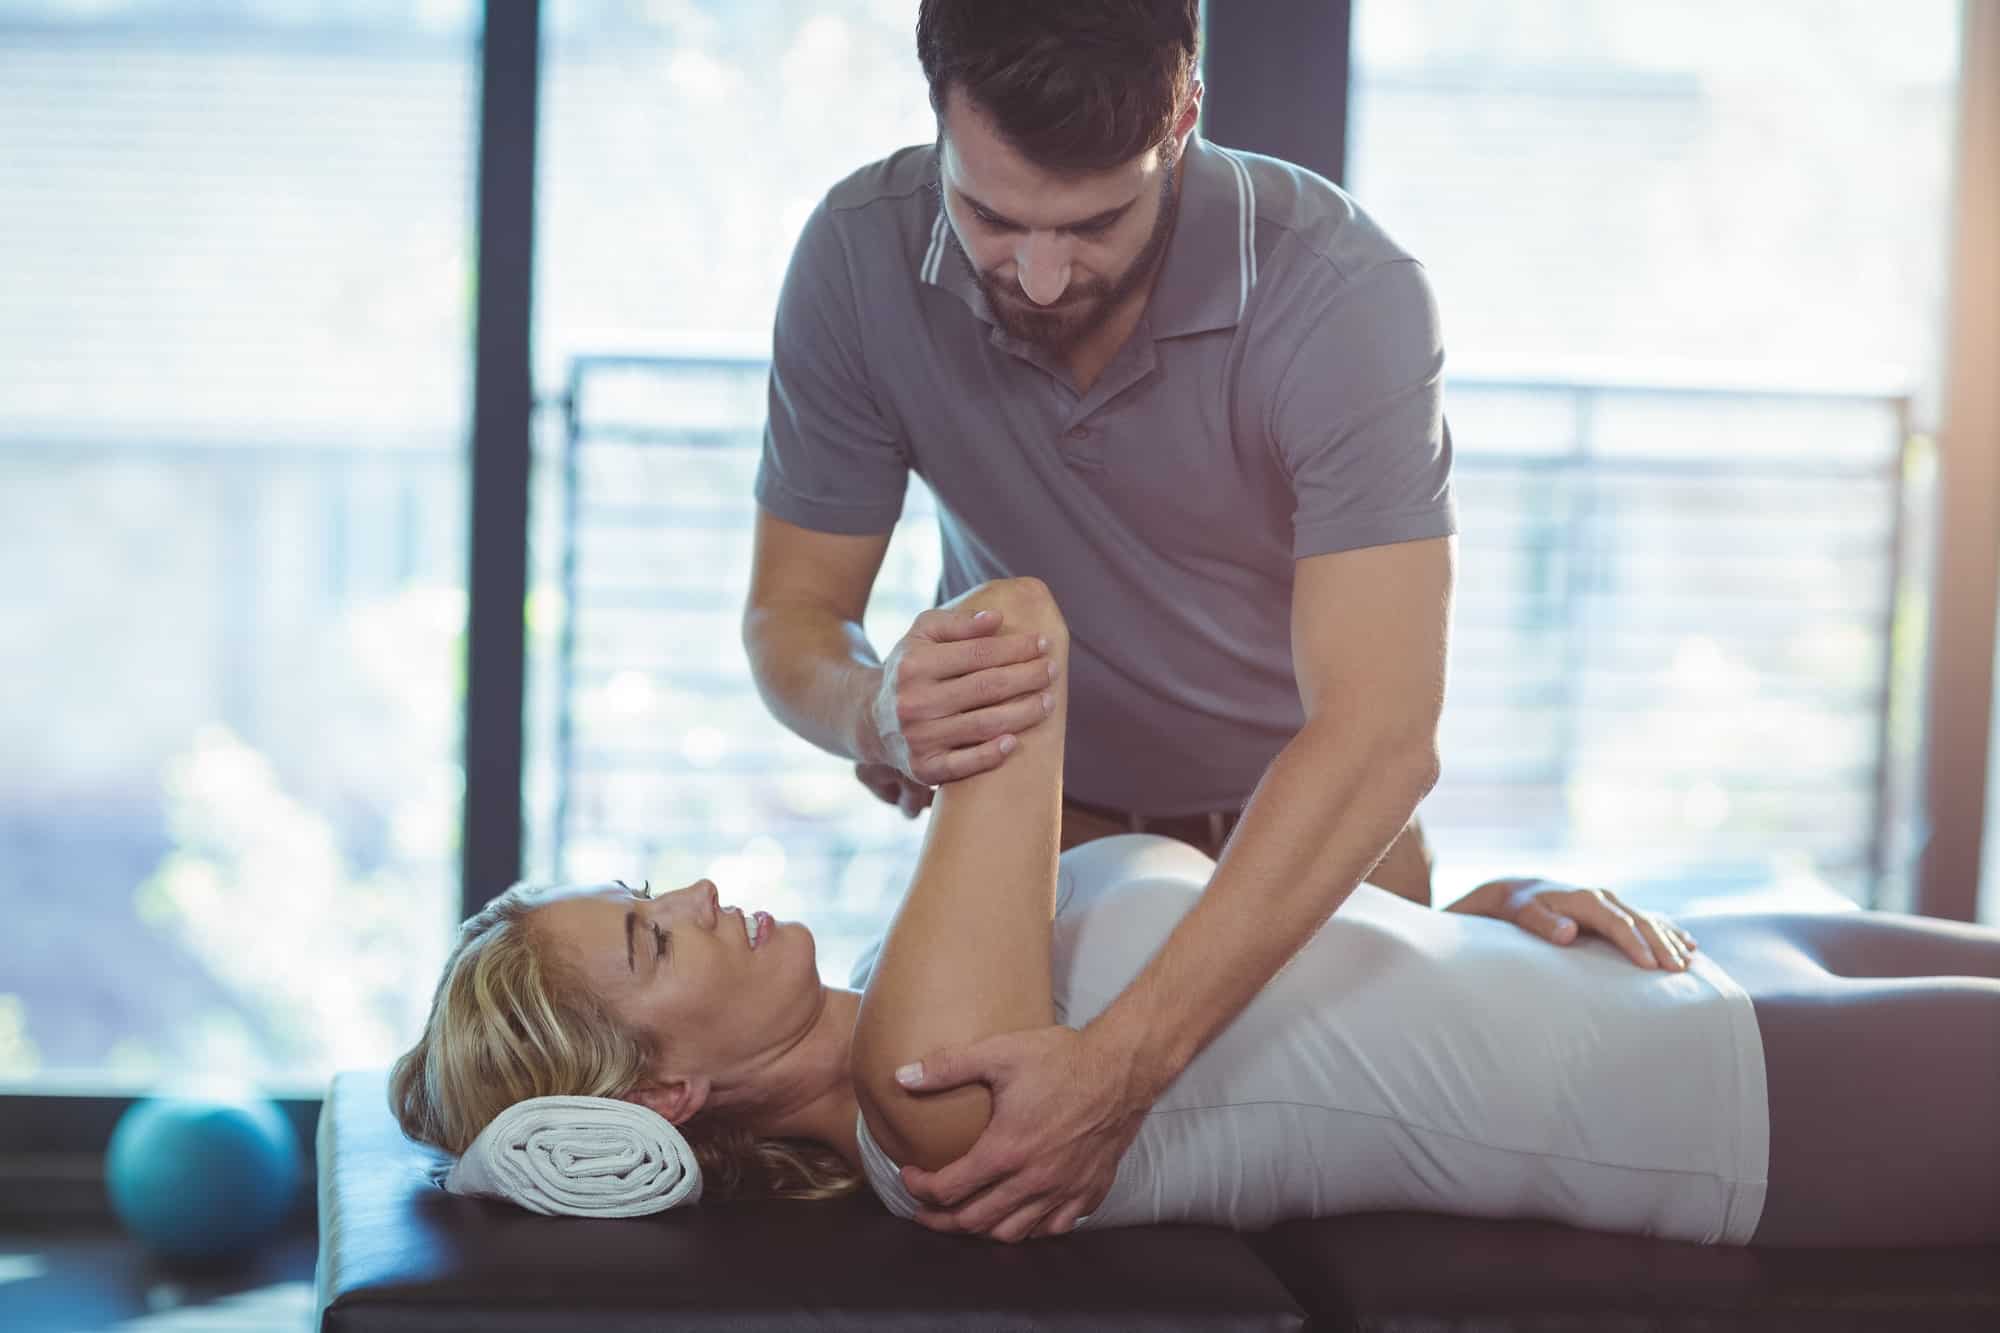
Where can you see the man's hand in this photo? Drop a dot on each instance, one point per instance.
(912, 798)
(1557, 912)
(955, 693)
(1064, 1111)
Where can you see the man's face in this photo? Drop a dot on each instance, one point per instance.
(1056, 254)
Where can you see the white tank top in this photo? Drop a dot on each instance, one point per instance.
(1408, 1058)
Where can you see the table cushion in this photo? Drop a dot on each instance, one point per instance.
(398, 1253)
(1391, 1272)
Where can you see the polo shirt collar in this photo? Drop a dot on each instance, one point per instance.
(1211, 261)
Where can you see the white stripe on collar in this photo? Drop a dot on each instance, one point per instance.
(934, 257)
(1246, 231)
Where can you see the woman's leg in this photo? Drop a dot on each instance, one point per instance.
(1881, 1044)
(1890, 944)
(967, 955)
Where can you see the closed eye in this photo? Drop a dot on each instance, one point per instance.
(1094, 228)
(660, 939)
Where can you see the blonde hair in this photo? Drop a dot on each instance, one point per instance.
(512, 1020)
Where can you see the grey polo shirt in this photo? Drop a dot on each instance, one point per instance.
(1280, 398)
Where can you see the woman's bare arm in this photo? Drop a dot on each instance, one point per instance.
(967, 955)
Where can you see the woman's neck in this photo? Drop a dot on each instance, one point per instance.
(823, 1106)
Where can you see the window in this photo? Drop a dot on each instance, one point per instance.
(1690, 263)
(232, 479)
(683, 147)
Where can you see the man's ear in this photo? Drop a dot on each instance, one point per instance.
(1189, 113)
(677, 1098)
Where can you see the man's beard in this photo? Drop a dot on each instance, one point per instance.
(1084, 306)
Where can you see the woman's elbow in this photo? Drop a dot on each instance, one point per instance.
(1024, 604)
(931, 1130)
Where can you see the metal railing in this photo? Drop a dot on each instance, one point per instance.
(1661, 563)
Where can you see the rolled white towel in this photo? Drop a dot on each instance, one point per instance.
(580, 1157)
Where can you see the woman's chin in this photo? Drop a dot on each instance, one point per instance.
(789, 934)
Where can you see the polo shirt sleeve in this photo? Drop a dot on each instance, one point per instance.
(831, 462)
(1357, 415)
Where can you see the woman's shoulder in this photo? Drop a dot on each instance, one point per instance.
(1095, 869)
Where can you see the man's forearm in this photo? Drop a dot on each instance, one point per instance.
(817, 673)
(1323, 815)
(1406, 868)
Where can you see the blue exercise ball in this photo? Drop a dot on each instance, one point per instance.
(202, 1178)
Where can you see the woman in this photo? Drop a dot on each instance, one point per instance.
(1801, 1080)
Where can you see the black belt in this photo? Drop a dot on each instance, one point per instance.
(1207, 829)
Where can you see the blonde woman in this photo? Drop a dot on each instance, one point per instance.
(1404, 1059)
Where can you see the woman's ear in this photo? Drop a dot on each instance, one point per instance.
(677, 1098)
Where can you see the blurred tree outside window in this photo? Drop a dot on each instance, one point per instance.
(232, 483)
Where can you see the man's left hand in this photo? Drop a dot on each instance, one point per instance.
(1560, 913)
(1065, 1108)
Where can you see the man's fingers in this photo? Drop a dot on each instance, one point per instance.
(1635, 933)
(1547, 922)
(965, 730)
(947, 661)
(997, 685)
(1627, 935)
(1663, 938)
(1021, 1223)
(881, 779)
(1062, 1220)
(934, 701)
(947, 626)
(985, 1212)
(952, 765)
(951, 1187)
(936, 1219)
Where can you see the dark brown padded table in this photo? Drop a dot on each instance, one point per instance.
(398, 1255)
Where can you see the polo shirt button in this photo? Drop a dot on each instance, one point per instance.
(1079, 433)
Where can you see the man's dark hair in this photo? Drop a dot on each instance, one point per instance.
(1074, 85)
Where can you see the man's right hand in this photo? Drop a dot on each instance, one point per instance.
(955, 691)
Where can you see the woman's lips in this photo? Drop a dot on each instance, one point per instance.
(763, 921)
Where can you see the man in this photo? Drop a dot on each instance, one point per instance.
(1197, 393)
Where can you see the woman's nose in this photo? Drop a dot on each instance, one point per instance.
(703, 901)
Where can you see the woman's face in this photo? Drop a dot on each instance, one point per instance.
(680, 966)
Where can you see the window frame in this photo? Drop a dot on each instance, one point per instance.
(1965, 584)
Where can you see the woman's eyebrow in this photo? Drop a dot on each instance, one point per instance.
(631, 919)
